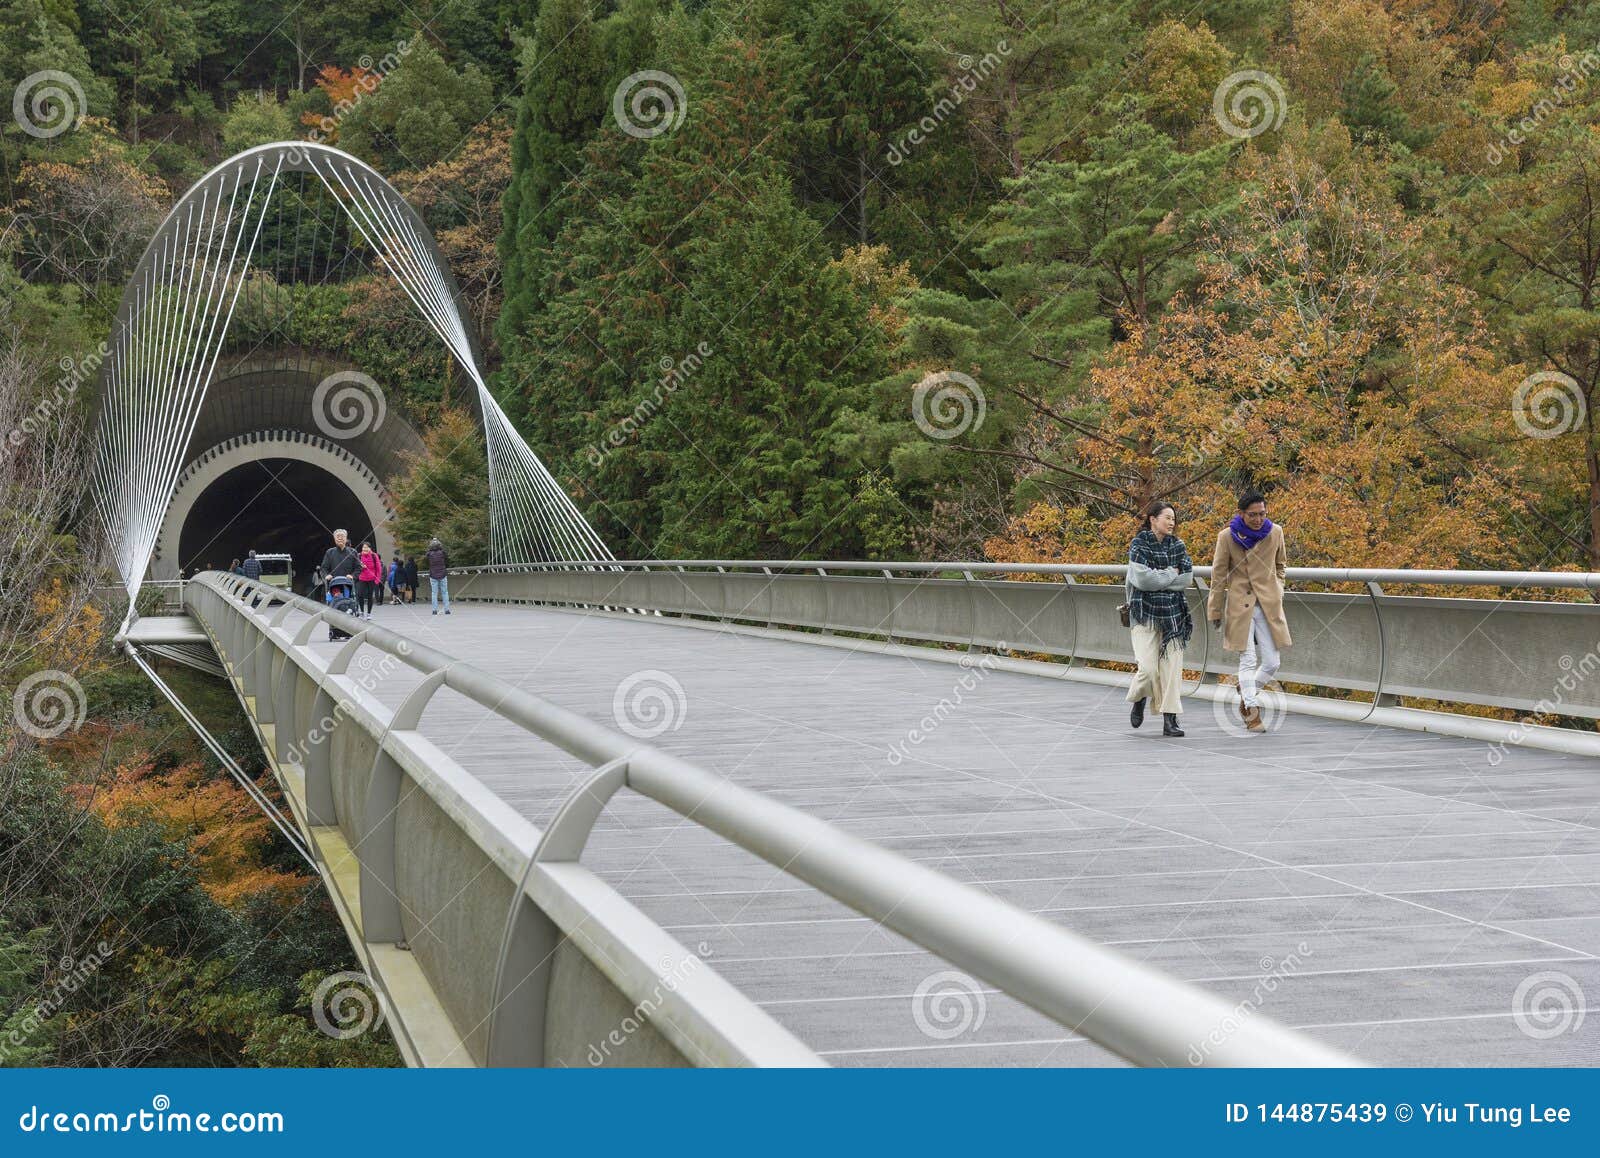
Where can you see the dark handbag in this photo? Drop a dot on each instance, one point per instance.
(1125, 606)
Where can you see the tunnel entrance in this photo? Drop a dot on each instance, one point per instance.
(270, 505)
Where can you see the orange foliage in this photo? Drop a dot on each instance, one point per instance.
(214, 817)
(344, 88)
(1326, 359)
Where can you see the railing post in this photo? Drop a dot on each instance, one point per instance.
(266, 687)
(1205, 637)
(529, 941)
(972, 610)
(381, 918)
(1072, 601)
(888, 577)
(322, 808)
(1380, 698)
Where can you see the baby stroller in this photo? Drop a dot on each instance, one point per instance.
(341, 596)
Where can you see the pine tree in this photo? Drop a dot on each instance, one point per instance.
(562, 104)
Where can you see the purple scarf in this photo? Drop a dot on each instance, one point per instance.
(1244, 536)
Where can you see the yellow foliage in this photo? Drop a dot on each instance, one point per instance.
(871, 269)
(73, 633)
(1181, 68)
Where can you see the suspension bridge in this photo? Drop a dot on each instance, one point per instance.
(782, 812)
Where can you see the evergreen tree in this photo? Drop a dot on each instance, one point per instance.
(562, 103)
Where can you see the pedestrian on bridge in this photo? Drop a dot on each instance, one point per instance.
(251, 567)
(1159, 572)
(369, 579)
(339, 559)
(438, 563)
(397, 578)
(1247, 574)
(411, 578)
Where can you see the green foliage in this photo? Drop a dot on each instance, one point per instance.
(444, 493)
(421, 111)
(257, 120)
(562, 102)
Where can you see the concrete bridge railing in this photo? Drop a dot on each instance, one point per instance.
(546, 956)
(1495, 651)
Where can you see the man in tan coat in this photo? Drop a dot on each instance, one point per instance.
(1247, 574)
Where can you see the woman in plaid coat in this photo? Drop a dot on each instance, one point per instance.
(1159, 572)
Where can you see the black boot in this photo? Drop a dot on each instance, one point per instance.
(1136, 717)
(1169, 724)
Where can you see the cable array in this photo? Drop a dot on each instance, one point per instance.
(175, 316)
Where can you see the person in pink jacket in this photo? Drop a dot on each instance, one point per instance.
(369, 579)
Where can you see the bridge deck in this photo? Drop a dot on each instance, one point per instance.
(1388, 891)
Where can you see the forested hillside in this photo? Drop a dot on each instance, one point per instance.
(727, 255)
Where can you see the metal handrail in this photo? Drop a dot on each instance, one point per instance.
(1128, 1007)
(1581, 580)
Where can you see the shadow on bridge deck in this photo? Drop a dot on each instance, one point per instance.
(1389, 891)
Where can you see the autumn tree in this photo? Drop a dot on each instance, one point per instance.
(461, 200)
(1325, 358)
(1524, 233)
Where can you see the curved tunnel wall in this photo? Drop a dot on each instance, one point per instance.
(213, 464)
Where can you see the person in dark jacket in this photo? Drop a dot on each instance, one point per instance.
(438, 575)
(411, 577)
(251, 567)
(1159, 572)
(397, 578)
(341, 558)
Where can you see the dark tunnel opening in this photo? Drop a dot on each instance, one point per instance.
(270, 505)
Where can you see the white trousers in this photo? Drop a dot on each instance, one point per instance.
(1159, 676)
(1259, 661)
